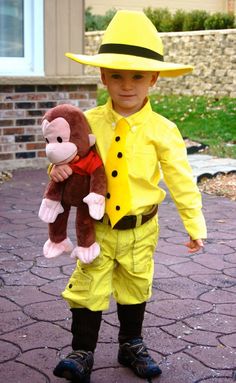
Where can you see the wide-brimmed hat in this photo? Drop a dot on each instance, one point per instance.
(131, 42)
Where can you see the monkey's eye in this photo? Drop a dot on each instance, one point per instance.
(59, 139)
(46, 140)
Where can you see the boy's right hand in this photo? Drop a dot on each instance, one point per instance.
(60, 173)
(194, 245)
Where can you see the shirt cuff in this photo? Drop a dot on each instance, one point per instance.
(196, 227)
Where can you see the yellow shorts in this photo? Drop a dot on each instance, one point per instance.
(123, 268)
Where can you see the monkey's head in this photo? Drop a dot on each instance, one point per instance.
(67, 134)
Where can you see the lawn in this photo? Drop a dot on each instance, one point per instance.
(211, 121)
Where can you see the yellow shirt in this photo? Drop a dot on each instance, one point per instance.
(153, 145)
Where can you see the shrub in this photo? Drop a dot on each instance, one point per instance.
(108, 16)
(178, 20)
(164, 21)
(97, 22)
(194, 20)
(220, 21)
(91, 22)
(160, 17)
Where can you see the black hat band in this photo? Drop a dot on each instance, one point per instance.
(132, 50)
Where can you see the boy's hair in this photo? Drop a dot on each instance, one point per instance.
(131, 42)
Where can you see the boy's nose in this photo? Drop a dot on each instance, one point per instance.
(127, 83)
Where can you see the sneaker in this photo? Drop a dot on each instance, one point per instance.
(76, 367)
(134, 354)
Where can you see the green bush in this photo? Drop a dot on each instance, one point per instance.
(160, 17)
(195, 20)
(220, 21)
(108, 16)
(97, 22)
(164, 21)
(178, 20)
(90, 20)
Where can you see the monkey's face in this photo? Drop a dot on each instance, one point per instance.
(57, 134)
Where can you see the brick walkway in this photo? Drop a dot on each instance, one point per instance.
(190, 324)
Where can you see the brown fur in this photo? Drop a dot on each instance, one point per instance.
(72, 191)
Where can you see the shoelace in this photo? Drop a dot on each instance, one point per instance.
(140, 349)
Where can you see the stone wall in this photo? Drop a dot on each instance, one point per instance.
(213, 54)
(21, 109)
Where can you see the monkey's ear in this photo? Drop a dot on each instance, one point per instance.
(44, 125)
(92, 139)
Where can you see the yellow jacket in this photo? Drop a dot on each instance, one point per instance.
(153, 146)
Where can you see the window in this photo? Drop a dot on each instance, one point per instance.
(21, 37)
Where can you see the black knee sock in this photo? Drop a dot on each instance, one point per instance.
(131, 321)
(85, 328)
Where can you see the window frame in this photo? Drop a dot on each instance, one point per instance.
(32, 63)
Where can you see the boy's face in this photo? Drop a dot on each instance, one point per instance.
(128, 89)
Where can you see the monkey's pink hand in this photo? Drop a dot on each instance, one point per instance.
(86, 254)
(96, 204)
(49, 210)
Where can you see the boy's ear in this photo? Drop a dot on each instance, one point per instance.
(102, 74)
(154, 78)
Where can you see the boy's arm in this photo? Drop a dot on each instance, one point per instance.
(178, 177)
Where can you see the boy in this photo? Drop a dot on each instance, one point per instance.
(135, 144)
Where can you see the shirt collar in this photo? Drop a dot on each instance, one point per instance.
(134, 120)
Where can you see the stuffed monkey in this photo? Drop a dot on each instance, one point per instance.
(68, 141)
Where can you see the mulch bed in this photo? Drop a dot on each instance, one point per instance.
(5, 176)
(223, 185)
(220, 184)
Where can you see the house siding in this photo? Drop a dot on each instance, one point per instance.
(64, 32)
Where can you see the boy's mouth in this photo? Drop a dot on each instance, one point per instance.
(127, 95)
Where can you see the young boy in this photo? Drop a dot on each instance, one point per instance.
(135, 144)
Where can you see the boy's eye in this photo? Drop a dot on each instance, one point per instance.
(115, 76)
(138, 76)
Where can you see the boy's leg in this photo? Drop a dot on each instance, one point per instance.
(133, 352)
(131, 321)
(77, 366)
(88, 293)
(85, 328)
(132, 288)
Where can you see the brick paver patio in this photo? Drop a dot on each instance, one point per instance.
(190, 324)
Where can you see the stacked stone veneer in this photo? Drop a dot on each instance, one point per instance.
(212, 53)
(21, 111)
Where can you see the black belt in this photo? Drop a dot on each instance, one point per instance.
(131, 221)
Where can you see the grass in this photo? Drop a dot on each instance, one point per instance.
(211, 121)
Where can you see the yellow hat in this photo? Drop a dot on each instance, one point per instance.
(131, 42)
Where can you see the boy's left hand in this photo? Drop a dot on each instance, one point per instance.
(194, 245)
